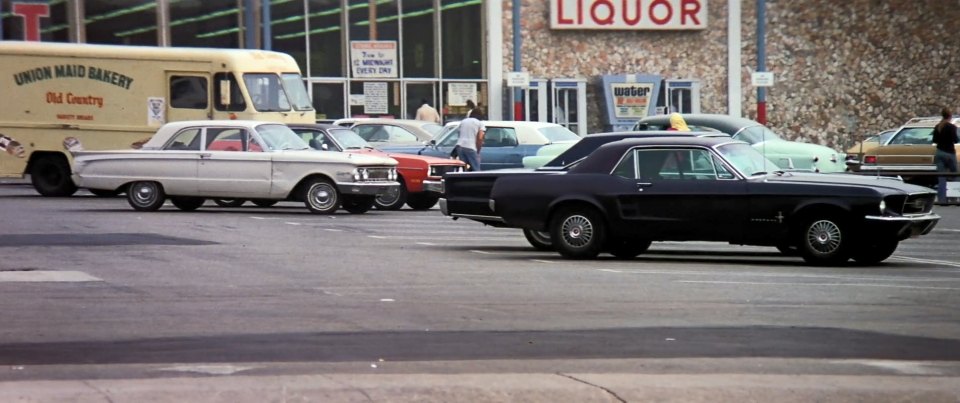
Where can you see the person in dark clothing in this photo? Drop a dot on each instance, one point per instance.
(945, 137)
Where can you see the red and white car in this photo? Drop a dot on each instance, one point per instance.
(419, 175)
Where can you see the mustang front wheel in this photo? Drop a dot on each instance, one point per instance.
(540, 240)
(825, 241)
(578, 233)
(145, 196)
(321, 196)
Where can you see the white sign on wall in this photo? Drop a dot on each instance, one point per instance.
(459, 93)
(374, 98)
(762, 79)
(518, 79)
(628, 14)
(374, 59)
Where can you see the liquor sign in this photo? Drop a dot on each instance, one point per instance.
(374, 59)
(628, 14)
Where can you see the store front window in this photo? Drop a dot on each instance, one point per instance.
(206, 23)
(135, 23)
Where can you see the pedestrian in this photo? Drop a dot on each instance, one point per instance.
(945, 137)
(471, 107)
(677, 123)
(470, 142)
(427, 113)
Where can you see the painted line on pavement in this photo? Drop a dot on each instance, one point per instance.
(542, 261)
(820, 284)
(927, 261)
(786, 275)
(46, 276)
(426, 243)
(292, 223)
(610, 270)
(333, 230)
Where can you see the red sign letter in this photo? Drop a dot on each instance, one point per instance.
(689, 8)
(610, 12)
(626, 13)
(560, 19)
(653, 15)
(31, 13)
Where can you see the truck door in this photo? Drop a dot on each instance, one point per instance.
(188, 96)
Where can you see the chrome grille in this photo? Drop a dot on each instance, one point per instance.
(377, 174)
(440, 170)
(918, 204)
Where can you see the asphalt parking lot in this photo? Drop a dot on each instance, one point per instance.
(95, 290)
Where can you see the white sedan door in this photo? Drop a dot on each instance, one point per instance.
(233, 165)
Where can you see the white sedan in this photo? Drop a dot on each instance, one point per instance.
(267, 162)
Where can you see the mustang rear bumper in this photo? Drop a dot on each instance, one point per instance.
(366, 188)
(905, 226)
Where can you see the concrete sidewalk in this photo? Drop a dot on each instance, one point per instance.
(525, 387)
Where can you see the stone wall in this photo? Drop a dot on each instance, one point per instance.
(843, 69)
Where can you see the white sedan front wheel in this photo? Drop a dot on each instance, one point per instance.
(321, 196)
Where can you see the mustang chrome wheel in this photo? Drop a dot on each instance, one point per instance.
(824, 236)
(577, 231)
(145, 196)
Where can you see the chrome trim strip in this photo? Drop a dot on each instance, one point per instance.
(864, 167)
(479, 217)
(912, 218)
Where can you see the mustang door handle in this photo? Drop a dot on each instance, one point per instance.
(205, 155)
(642, 185)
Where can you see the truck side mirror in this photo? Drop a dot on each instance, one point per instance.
(224, 92)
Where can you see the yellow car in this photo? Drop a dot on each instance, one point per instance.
(855, 152)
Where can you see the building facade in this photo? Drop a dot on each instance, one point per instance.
(841, 69)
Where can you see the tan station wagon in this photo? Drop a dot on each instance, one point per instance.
(909, 153)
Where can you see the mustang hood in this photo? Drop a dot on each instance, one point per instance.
(871, 182)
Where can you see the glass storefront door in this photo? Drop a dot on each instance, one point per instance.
(416, 92)
(329, 99)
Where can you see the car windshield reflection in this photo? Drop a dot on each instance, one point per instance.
(746, 159)
(280, 137)
(757, 134)
(349, 139)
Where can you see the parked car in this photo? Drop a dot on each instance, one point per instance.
(787, 154)
(504, 145)
(419, 175)
(855, 152)
(380, 132)
(628, 193)
(191, 161)
(908, 153)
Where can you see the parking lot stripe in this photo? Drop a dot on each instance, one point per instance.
(820, 284)
(927, 261)
(46, 276)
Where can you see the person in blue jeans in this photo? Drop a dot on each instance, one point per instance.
(470, 143)
(945, 138)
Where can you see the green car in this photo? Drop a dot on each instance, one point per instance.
(786, 154)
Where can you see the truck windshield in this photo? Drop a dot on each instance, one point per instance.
(293, 84)
(270, 94)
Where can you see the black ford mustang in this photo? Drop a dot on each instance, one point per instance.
(628, 193)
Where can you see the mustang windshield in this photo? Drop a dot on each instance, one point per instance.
(757, 134)
(746, 159)
(280, 137)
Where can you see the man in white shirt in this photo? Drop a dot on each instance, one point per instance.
(470, 142)
(427, 113)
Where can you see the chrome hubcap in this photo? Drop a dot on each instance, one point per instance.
(577, 231)
(322, 197)
(145, 193)
(389, 197)
(824, 236)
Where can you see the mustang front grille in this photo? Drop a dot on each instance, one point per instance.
(918, 204)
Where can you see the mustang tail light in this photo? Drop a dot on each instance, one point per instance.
(870, 159)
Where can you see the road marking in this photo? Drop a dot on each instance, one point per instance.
(333, 230)
(778, 275)
(927, 261)
(426, 243)
(946, 230)
(610, 270)
(902, 367)
(376, 237)
(292, 223)
(387, 300)
(46, 276)
(821, 284)
(541, 261)
(208, 369)
(482, 252)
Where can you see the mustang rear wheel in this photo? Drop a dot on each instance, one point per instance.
(871, 253)
(321, 196)
(423, 200)
(578, 233)
(540, 240)
(393, 199)
(145, 196)
(825, 241)
(358, 204)
(187, 203)
(627, 248)
(229, 202)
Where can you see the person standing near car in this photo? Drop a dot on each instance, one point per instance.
(945, 137)
(470, 142)
(427, 113)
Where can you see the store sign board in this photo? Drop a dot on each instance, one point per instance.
(374, 59)
(459, 93)
(762, 79)
(628, 14)
(374, 98)
(629, 97)
(631, 100)
(518, 79)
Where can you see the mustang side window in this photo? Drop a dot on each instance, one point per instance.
(627, 168)
(188, 139)
(722, 171)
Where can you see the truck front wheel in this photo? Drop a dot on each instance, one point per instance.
(50, 175)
